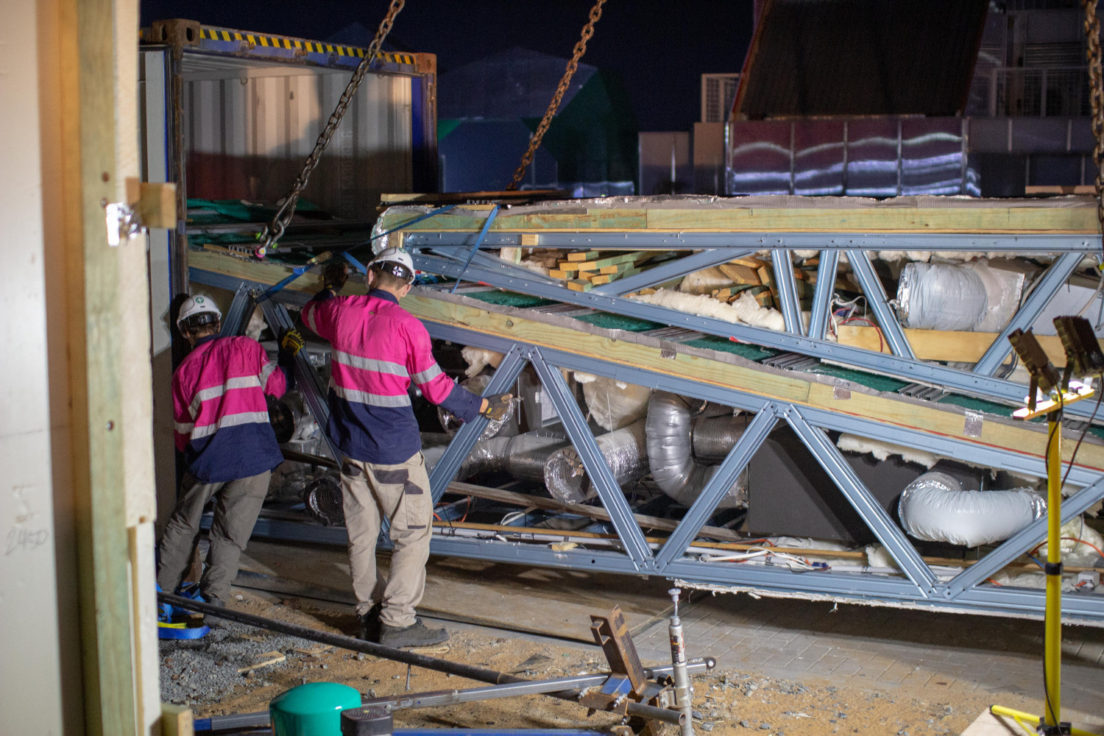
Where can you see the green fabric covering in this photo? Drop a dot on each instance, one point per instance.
(510, 299)
(618, 322)
(988, 407)
(870, 380)
(723, 345)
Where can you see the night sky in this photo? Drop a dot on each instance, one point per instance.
(660, 49)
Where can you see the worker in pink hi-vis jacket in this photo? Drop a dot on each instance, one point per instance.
(222, 427)
(379, 349)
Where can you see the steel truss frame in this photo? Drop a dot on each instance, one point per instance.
(440, 253)
(917, 584)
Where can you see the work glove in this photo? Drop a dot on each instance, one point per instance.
(290, 345)
(334, 275)
(497, 406)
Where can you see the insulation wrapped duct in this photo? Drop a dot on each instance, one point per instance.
(944, 296)
(625, 451)
(522, 456)
(672, 434)
(935, 508)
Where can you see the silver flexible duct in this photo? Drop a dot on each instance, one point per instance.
(625, 451)
(672, 435)
(935, 508)
(523, 455)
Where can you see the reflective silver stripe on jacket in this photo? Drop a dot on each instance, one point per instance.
(231, 420)
(308, 317)
(182, 428)
(427, 375)
(266, 372)
(363, 397)
(216, 391)
(370, 364)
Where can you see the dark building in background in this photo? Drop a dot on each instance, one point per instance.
(489, 109)
(898, 97)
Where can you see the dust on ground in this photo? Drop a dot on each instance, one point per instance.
(213, 677)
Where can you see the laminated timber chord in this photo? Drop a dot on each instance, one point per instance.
(921, 215)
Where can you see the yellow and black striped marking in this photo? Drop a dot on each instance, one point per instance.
(298, 44)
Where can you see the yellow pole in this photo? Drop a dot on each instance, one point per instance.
(1052, 652)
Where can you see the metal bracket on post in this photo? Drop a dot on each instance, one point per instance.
(122, 223)
(626, 679)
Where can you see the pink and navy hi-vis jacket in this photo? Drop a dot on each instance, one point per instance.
(220, 410)
(378, 349)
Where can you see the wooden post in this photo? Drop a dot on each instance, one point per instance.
(109, 426)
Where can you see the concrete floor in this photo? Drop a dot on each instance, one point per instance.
(892, 650)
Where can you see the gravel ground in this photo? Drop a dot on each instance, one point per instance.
(200, 672)
(204, 675)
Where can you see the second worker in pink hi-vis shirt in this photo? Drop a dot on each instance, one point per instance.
(222, 427)
(379, 349)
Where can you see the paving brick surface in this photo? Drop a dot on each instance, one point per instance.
(882, 648)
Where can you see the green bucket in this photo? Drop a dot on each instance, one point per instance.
(313, 709)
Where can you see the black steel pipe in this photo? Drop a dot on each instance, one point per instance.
(479, 674)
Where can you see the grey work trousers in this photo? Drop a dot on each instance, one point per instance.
(237, 504)
(400, 493)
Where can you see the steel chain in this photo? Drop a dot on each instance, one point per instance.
(1096, 98)
(569, 72)
(275, 229)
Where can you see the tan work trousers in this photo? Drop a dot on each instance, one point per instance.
(401, 494)
(237, 504)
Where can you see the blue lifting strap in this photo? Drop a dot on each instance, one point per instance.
(478, 242)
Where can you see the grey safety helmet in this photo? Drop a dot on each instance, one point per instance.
(396, 262)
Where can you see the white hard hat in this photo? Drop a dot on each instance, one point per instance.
(394, 261)
(197, 310)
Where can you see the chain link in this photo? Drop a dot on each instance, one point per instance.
(1096, 97)
(569, 72)
(275, 229)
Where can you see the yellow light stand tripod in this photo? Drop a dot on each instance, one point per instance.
(1061, 392)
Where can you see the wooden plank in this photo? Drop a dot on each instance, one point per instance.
(598, 263)
(947, 345)
(608, 277)
(740, 273)
(265, 660)
(592, 512)
(154, 203)
(177, 720)
(580, 285)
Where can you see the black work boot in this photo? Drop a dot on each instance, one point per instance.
(415, 635)
(370, 624)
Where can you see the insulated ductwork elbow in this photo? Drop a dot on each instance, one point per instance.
(672, 435)
(935, 508)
